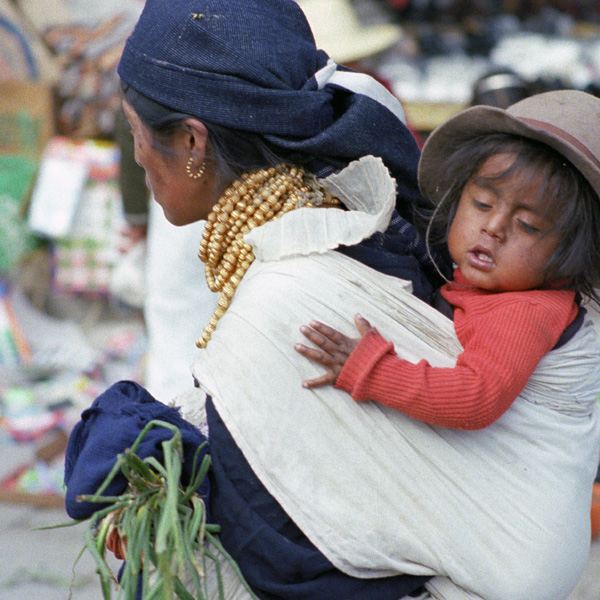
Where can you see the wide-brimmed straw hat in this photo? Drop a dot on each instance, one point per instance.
(566, 120)
(338, 30)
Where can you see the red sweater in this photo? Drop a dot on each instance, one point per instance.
(504, 336)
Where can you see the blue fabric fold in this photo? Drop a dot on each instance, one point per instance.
(110, 426)
(401, 251)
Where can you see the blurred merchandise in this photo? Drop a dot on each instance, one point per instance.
(25, 127)
(16, 178)
(85, 39)
(77, 205)
(23, 55)
(24, 418)
(26, 117)
(500, 88)
(339, 31)
(14, 349)
(39, 483)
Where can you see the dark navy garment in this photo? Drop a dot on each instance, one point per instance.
(277, 559)
(107, 428)
(400, 251)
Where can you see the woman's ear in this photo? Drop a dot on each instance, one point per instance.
(196, 139)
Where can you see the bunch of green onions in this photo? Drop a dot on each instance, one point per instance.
(162, 524)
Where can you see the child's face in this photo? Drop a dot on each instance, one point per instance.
(501, 237)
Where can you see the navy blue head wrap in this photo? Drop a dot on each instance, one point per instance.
(250, 65)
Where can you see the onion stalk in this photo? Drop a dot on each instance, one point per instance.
(161, 525)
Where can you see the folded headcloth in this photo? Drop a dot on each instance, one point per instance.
(253, 65)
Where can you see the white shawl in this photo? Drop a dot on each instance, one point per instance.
(501, 513)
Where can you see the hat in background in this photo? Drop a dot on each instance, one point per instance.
(500, 88)
(338, 30)
(566, 120)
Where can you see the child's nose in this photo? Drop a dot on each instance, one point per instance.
(495, 225)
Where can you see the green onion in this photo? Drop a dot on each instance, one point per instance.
(163, 525)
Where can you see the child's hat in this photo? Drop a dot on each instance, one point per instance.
(566, 120)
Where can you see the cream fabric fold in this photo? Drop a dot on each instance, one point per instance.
(494, 514)
(360, 83)
(368, 192)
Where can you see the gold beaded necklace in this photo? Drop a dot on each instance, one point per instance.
(252, 200)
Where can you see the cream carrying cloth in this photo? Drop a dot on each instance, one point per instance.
(498, 513)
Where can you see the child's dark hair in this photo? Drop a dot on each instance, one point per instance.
(571, 200)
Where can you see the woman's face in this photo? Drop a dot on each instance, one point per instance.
(502, 236)
(183, 199)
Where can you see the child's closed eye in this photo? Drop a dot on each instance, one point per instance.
(528, 228)
(480, 204)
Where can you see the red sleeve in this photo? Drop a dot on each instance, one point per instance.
(502, 353)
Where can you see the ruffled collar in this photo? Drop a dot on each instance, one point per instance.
(366, 189)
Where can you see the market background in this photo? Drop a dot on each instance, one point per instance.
(71, 301)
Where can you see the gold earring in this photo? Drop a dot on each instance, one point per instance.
(188, 169)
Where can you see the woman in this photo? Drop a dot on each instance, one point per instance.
(239, 119)
(248, 107)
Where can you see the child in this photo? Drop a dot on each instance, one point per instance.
(517, 204)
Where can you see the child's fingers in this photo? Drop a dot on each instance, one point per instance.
(327, 379)
(317, 337)
(362, 325)
(317, 355)
(322, 358)
(329, 332)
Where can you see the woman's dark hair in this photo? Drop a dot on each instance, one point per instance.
(230, 152)
(571, 201)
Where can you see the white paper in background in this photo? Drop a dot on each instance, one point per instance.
(46, 14)
(57, 192)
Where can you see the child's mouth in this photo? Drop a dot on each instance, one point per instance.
(484, 257)
(480, 259)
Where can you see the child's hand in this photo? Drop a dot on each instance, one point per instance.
(335, 348)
